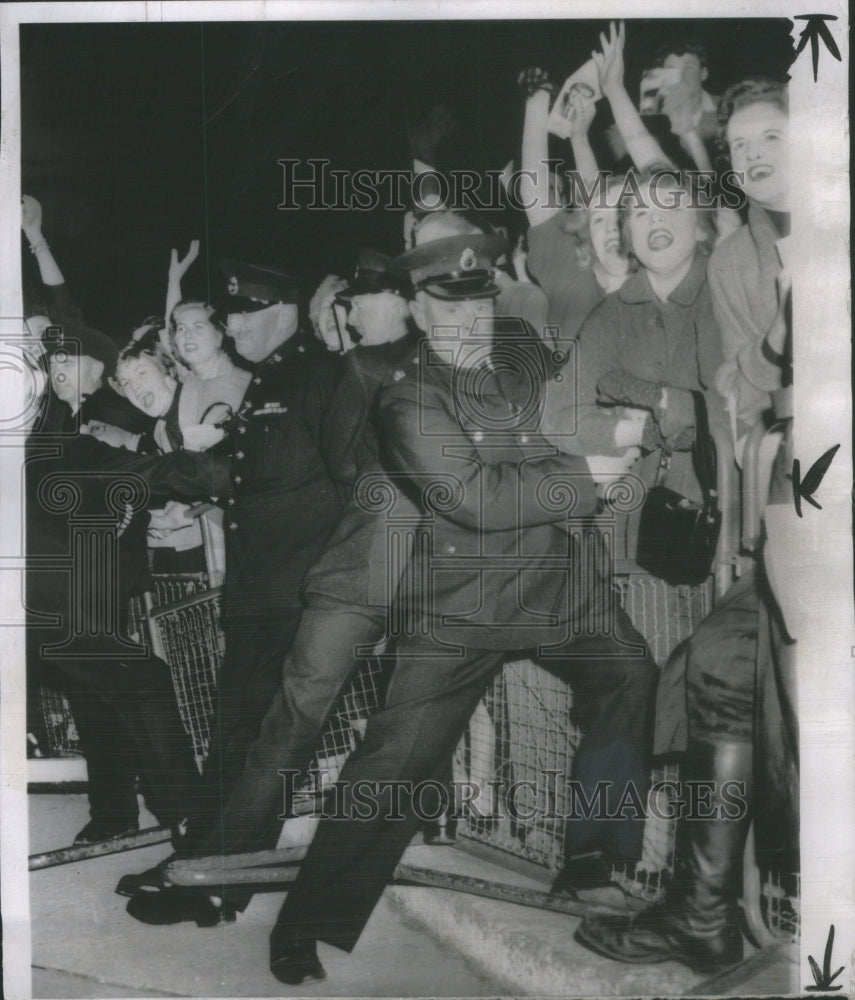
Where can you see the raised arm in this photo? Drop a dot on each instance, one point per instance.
(641, 146)
(534, 184)
(177, 270)
(424, 136)
(679, 111)
(31, 223)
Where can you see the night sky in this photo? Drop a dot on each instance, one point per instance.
(139, 137)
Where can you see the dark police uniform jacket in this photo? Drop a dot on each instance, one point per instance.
(289, 443)
(369, 550)
(499, 566)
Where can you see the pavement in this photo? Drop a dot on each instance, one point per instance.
(419, 942)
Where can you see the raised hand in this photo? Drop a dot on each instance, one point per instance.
(609, 62)
(426, 133)
(178, 268)
(579, 116)
(116, 437)
(31, 215)
(533, 79)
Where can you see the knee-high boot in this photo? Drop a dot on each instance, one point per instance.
(696, 924)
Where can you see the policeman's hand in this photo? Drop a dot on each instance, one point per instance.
(31, 216)
(201, 437)
(178, 268)
(116, 437)
(608, 468)
(609, 62)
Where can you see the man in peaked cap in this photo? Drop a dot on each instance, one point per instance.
(289, 475)
(504, 571)
(348, 592)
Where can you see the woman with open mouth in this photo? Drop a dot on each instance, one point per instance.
(647, 346)
(749, 286)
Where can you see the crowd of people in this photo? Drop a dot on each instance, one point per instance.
(435, 384)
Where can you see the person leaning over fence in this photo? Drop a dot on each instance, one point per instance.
(121, 697)
(499, 560)
(348, 592)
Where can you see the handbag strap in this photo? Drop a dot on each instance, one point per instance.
(704, 453)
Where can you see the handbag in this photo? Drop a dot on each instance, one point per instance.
(677, 538)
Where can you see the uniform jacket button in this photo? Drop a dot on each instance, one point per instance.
(238, 454)
(451, 549)
(478, 436)
(241, 430)
(257, 380)
(238, 479)
(232, 525)
(231, 501)
(524, 439)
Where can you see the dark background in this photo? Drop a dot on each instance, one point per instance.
(138, 137)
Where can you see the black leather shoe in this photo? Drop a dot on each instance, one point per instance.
(151, 878)
(662, 935)
(296, 962)
(97, 830)
(579, 874)
(178, 904)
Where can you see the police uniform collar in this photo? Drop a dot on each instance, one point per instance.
(637, 287)
(295, 344)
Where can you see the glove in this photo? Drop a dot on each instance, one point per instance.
(533, 79)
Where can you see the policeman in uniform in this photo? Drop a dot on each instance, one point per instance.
(348, 596)
(504, 571)
(289, 444)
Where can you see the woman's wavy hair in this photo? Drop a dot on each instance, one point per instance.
(752, 90)
(706, 216)
(575, 221)
(210, 311)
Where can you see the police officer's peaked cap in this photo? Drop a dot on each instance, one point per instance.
(250, 288)
(456, 267)
(375, 272)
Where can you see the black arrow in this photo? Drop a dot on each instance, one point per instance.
(824, 979)
(816, 28)
(804, 489)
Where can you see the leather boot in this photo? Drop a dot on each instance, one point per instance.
(697, 923)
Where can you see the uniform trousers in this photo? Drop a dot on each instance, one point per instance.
(431, 697)
(127, 719)
(309, 682)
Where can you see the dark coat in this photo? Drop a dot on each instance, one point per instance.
(290, 466)
(361, 564)
(492, 570)
(72, 478)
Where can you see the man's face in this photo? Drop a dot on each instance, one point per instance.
(146, 386)
(74, 377)
(663, 239)
(197, 340)
(758, 136)
(693, 75)
(258, 334)
(378, 318)
(463, 319)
